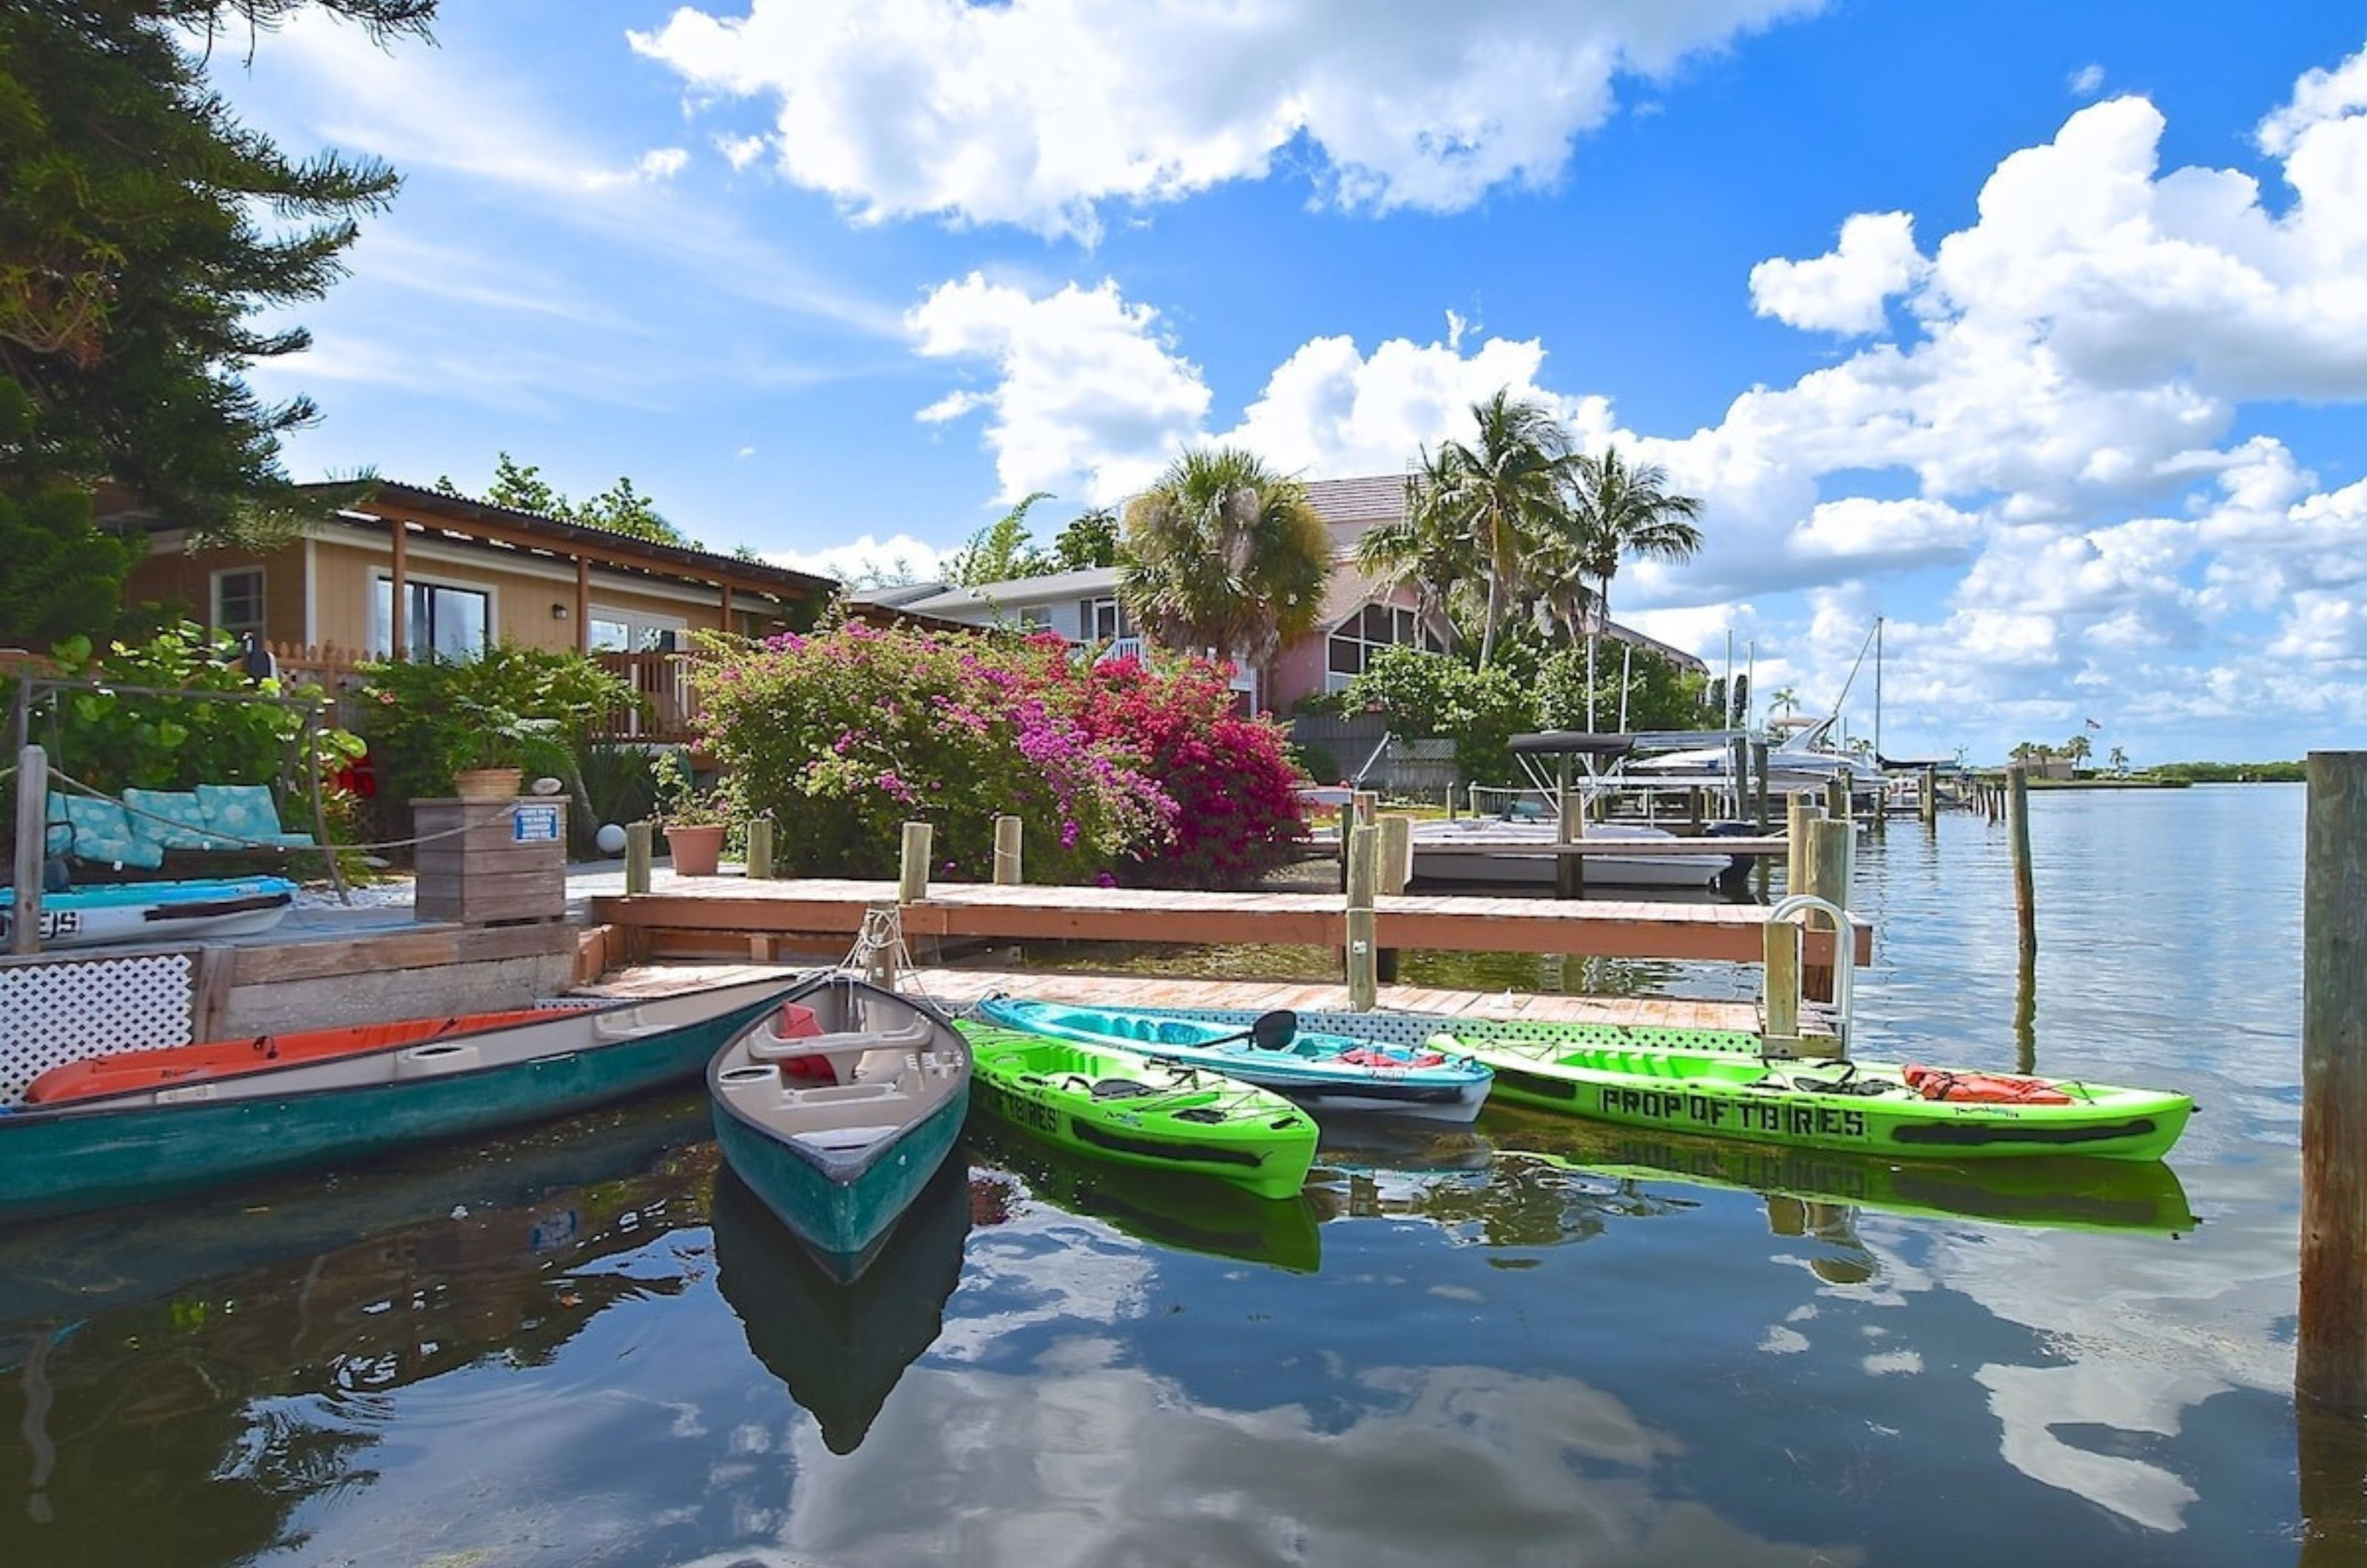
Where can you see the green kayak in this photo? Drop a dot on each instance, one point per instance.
(1867, 1106)
(1113, 1105)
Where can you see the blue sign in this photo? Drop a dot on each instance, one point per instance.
(533, 825)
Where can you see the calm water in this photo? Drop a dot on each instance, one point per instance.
(1529, 1344)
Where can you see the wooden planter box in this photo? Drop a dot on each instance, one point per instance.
(491, 862)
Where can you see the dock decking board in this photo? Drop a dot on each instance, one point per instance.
(960, 987)
(1455, 922)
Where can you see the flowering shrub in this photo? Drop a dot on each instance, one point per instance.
(1113, 770)
(1235, 789)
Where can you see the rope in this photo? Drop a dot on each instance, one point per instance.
(883, 932)
(58, 776)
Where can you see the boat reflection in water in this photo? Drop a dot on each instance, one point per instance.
(1540, 1180)
(1186, 1213)
(840, 1349)
(231, 1357)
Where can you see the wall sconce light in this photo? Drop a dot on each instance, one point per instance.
(558, 611)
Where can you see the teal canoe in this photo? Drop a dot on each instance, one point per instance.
(837, 1108)
(143, 1146)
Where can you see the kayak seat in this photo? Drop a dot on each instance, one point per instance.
(1120, 1089)
(1200, 1113)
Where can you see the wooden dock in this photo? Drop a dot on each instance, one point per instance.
(959, 988)
(763, 909)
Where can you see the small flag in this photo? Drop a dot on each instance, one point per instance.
(2093, 725)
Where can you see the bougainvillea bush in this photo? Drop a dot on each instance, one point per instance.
(1116, 772)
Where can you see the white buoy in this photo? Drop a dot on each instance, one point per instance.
(610, 838)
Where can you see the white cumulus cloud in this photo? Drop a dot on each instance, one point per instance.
(1843, 290)
(1090, 398)
(1034, 112)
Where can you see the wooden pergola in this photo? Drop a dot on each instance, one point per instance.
(406, 509)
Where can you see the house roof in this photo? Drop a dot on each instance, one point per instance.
(1089, 582)
(1374, 497)
(529, 530)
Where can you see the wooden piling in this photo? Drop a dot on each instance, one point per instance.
(1396, 856)
(2025, 892)
(1837, 799)
(1363, 956)
(1006, 851)
(1927, 797)
(912, 867)
(1799, 811)
(760, 847)
(31, 848)
(1780, 1009)
(639, 839)
(2330, 1363)
(1758, 783)
(1827, 867)
(1570, 871)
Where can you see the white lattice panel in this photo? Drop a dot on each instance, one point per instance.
(57, 1013)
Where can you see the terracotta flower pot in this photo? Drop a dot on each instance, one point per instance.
(487, 783)
(696, 849)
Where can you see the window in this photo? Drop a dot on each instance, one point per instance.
(1356, 640)
(632, 631)
(238, 600)
(1109, 621)
(443, 621)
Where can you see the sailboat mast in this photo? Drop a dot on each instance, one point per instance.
(1877, 693)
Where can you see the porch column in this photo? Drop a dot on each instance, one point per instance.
(726, 609)
(399, 623)
(583, 605)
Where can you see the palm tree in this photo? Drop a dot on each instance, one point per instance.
(1224, 555)
(1626, 511)
(1504, 493)
(1426, 548)
(2120, 759)
(1616, 512)
(1784, 699)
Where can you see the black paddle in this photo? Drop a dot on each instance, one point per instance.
(1272, 1032)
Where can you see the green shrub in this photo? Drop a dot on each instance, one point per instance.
(1422, 696)
(512, 706)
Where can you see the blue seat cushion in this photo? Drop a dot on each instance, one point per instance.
(241, 813)
(102, 832)
(172, 818)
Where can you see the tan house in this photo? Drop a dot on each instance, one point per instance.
(424, 572)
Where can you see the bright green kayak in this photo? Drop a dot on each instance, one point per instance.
(1109, 1104)
(1870, 1108)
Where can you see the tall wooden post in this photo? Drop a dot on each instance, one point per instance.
(1779, 1016)
(1006, 851)
(912, 867)
(1799, 811)
(1828, 867)
(1395, 857)
(31, 848)
(1570, 871)
(639, 842)
(2025, 892)
(760, 847)
(2330, 1364)
(1758, 783)
(1364, 975)
(1837, 799)
(1927, 797)
(1738, 758)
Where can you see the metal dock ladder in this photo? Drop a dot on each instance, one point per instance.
(1790, 1024)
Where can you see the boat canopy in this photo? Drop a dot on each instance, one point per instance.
(1571, 743)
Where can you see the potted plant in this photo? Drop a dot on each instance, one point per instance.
(695, 819)
(487, 749)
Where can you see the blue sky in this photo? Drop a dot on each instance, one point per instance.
(2037, 331)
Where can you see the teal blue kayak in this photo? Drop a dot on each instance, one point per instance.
(1321, 1072)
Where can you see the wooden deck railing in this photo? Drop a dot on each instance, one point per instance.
(668, 711)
